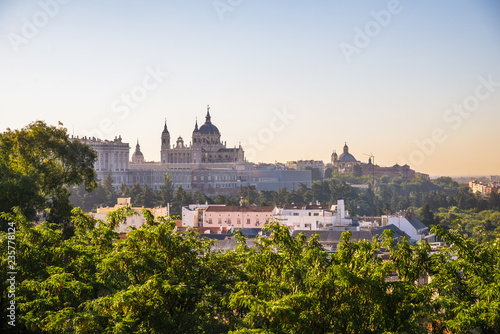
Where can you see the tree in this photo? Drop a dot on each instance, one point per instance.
(292, 285)
(494, 201)
(124, 190)
(167, 190)
(465, 284)
(181, 198)
(109, 191)
(281, 197)
(315, 173)
(162, 280)
(157, 280)
(37, 164)
(328, 173)
(248, 194)
(357, 171)
(135, 192)
(426, 215)
(145, 197)
(200, 198)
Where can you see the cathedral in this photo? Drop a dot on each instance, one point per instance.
(345, 163)
(206, 146)
(205, 164)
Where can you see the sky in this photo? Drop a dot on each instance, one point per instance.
(414, 82)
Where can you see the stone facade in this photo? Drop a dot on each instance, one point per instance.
(206, 165)
(135, 221)
(395, 171)
(346, 162)
(206, 147)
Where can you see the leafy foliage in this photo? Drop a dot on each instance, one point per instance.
(160, 280)
(37, 163)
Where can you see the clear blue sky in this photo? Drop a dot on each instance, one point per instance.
(253, 59)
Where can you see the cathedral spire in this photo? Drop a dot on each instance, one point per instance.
(207, 118)
(196, 125)
(165, 130)
(137, 147)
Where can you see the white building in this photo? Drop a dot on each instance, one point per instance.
(314, 216)
(192, 215)
(409, 224)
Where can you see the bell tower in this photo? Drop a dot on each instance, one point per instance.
(165, 144)
(196, 135)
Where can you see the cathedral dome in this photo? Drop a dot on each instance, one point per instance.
(137, 157)
(346, 156)
(208, 128)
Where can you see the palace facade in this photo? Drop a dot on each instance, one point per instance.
(206, 164)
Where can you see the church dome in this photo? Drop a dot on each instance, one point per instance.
(208, 128)
(347, 157)
(137, 156)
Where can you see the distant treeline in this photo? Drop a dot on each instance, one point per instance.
(431, 200)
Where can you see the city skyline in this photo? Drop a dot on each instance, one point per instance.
(408, 82)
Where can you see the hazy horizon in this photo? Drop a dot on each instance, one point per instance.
(409, 82)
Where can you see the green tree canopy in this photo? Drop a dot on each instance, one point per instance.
(161, 280)
(37, 164)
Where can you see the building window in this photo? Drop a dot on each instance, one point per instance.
(248, 221)
(210, 221)
(220, 221)
(238, 221)
(229, 221)
(316, 214)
